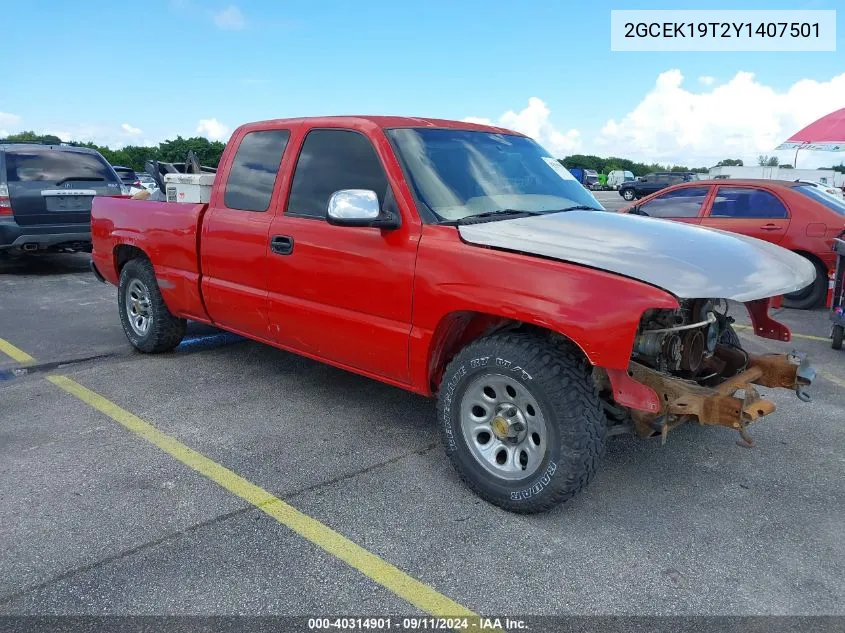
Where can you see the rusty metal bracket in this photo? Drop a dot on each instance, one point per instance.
(685, 400)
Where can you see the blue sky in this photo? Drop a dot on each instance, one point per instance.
(87, 69)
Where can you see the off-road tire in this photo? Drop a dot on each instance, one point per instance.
(560, 381)
(838, 332)
(165, 331)
(811, 296)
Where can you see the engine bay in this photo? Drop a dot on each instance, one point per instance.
(683, 342)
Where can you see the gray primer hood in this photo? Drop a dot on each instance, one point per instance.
(688, 261)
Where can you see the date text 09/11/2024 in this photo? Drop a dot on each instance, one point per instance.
(417, 624)
(721, 29)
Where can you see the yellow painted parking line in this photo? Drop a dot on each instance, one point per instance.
(388, 576)
(809, 337)
(836, 380)
(15, 353)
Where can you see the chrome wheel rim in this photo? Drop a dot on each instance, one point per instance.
(503, 426)
(138, 307)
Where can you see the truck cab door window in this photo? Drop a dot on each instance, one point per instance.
(331, 160)
(254, 169)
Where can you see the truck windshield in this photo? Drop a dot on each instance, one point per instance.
(831, 202)
(462, 173)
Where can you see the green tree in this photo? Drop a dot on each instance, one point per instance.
(32, 137)
(134, 156)
(175, 150)
(730, 162)
(764, 160)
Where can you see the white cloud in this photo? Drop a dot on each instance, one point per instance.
(114, 137)
(533, 121)
(213, 130)
(130, 130)
(229, 18)
(706, 80)
(10, 120)
(738, 119)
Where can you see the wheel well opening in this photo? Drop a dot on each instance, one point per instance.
(459, 329)
(124, 253)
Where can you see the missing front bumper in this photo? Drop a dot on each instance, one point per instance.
(683, 401)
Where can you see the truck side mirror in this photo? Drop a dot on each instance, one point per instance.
(359, 207)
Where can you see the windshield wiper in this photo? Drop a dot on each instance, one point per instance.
(86, 178)
(492, 215)
(577, 207)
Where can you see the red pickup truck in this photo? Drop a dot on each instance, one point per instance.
(462, 261)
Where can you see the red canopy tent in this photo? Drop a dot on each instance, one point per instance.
(825, 135)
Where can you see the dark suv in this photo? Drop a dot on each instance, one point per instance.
(654, 182)
(46, 193)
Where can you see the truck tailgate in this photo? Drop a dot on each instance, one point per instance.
(166, 232)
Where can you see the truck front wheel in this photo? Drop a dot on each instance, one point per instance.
(146, 321)
(521, 421)
(628, 194)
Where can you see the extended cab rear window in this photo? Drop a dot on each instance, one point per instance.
(254, 169)
(56, 166)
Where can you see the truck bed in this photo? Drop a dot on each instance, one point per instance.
(167, 232)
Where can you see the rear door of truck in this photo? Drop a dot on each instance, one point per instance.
(234, 238)
(55, 185)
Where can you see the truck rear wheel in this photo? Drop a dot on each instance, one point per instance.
(146, 321)
(521, 421)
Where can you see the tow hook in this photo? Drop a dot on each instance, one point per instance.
(746, 440)
(804, 376)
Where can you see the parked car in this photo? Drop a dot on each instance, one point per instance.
(650, 183)
(129, 178)
(46, 193)
(463, 261)
(618, 177)
(147, 181)
(794, 215)
(829, 189)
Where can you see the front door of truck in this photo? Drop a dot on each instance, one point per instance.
(342, 294)
(233, 244)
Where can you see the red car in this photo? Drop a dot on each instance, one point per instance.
(793, 215)
(464, 262)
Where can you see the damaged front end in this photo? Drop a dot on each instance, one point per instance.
(688, 365)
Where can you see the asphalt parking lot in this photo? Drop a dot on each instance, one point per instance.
(100, 512)
(610, 200)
